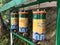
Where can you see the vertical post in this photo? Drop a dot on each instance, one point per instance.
(11, 40)
(11, 37)
(58, 24)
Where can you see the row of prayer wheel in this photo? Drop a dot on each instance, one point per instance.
(19, 21)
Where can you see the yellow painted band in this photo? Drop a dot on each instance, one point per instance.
(14, 21)
(39, 25)
(23, 22)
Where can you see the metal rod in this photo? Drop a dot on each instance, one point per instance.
(11, 38)
(27, 40)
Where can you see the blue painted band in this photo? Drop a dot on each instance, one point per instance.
(23, 30)
(38, 37)
(14, 27)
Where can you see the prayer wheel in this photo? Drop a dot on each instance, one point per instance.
(39, 25)
(14, 20)
(23, 22)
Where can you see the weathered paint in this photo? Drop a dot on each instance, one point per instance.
(23, 22)
(14, 20)
(39, 25)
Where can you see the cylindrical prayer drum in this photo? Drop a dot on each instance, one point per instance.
(23, 22)
(39, 25)
(14, 20)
